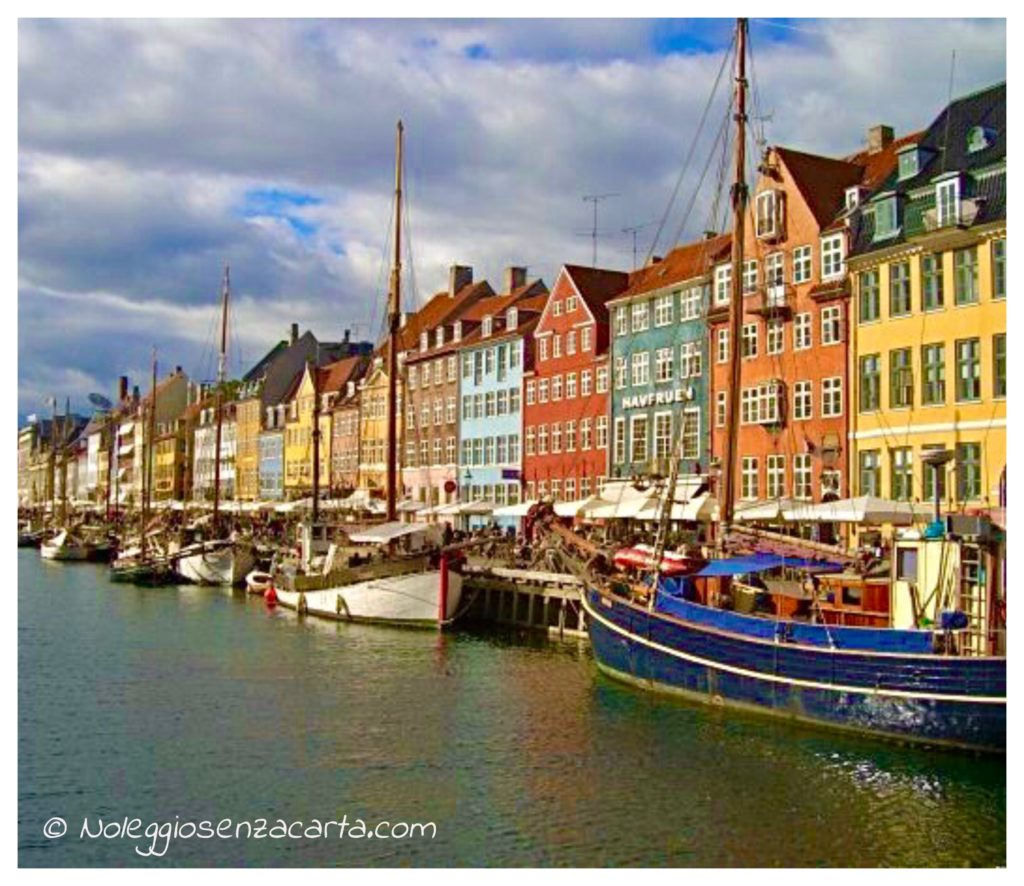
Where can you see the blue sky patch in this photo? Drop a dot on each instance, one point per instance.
(477, 51)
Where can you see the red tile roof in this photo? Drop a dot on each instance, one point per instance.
(878, 165)
(682, 263)
(334, 376)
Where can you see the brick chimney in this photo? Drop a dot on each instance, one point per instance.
(294, 334)
(122, 388)
(514, 277)
(459, 276)
(879, 138)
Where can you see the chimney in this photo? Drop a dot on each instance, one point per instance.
(346, 337)
(879, 138)
(135, 394)
(294, 336)
(177, 370)
(122, 388)
(654, 260)
(514, 277)
(458, 276)
(710, 235)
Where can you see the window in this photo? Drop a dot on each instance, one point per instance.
(908, 165)
(801, 332)
(760, 404)
(749, 340)
(870, 383)
(502, 402)
(570, 342)
(467, 365)
(412, 378)
(531, 393)
(502, 362)
(721, 407)
(748, 487)
(556, 346)
(723, 284)
(621, 323)
(802, 401)
(449, 450)
(641, 319)
(542, 440)
(832, 256)
(531, 440)
(586, 383)
(899, 289)
(638, 434)
(832, 397)
(556, 437)
(831, 480)
(602, 431)
(691, 432)
(438, 412)
(774, 269)
(902, 473)
(968, 369)
(602, 379)
(801, 264)
(968, 471)
(689, 359)
(641, 369)
(965, 274)
(932, 295)
(776, 466)
(586, 338)
(999, 365)
(690, 302)
(663, 309)
(802, 476)
(886, 218)
(619, 453)
(947, 202)
(620, 373)
(586, 436)
(556, 389)
(556, 308)
(663, 365)
(542, 391)
(901, 379)
(768, 214)
(933, 372)
(487, 326)
(542, 349)
(776, 330)
(869, 298)
(663, 435)
(749, 276)
(722, 346)
(870, 472)
(570, 385)
(490, 405)
(831, 325)
(511, 318)
(931, 473)
(999, 269)
(570, 304)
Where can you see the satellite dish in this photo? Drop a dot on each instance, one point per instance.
(100, 402)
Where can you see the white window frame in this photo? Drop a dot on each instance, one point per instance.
(802, 335)
(803, 264)
(833, 256)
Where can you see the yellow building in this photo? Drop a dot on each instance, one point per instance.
(298, 438)
(169, 464)
(928, 333)
(248, 456)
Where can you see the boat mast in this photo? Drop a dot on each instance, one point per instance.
(394, 320)
(739, 207)
(221, 373)
(313, 369)
(64, 461)
(52, 467)
(147, 458)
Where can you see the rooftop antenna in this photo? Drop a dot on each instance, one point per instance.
(633, 229)
(595, 199)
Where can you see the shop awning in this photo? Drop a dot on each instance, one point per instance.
(516, 510)
(863, 509)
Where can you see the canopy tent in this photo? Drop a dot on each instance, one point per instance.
(623, 501)
(290, 506)
(383, 533)
(476, 508)
(770, 510)
(410, 506)
(578, 507)
(703, 508)
(517, 510)
(867, 509)
(762, 563)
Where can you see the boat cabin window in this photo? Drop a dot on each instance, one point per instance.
(906, 564)
(853, 596)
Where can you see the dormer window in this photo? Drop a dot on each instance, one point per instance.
(511, 318)
(979, 138)
(457, 331)
(853, 197)
(886, 217)
(439, 337)
(909, 161)
(424, 340)
(769, 215)
(350, 389)
(947, 201)
(487, 327)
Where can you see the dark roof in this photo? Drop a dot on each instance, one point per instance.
(944, 147)
(822, 181)
(260, 369)
(597, 287)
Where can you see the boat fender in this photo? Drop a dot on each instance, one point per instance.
(270, 596)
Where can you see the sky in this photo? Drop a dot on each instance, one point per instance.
(153, 153)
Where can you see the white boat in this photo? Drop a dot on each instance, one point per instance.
(216, 562)
(257, 581)
(64, 546)
(413, 599)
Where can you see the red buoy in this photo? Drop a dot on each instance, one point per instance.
(270, 596)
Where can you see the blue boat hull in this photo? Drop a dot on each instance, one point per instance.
(933, 699)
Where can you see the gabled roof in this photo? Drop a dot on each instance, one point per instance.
(821, 181)
(335, 376)
(880, 164)
(260, 369)
(495, 304)
(685, 262)
(597, 286)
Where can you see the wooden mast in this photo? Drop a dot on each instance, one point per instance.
(221, 374)
(64, 461)
(147, 458)
(739, 207)
(315, 371)
(394, 323)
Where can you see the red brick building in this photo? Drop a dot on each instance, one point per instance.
(565, 417)
(795, 386)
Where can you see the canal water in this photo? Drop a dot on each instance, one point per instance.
(178, 705)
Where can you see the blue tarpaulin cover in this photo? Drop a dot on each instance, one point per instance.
(764, 562)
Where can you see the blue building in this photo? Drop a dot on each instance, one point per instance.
(272, 456)
(492, 360)
(659, 363)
